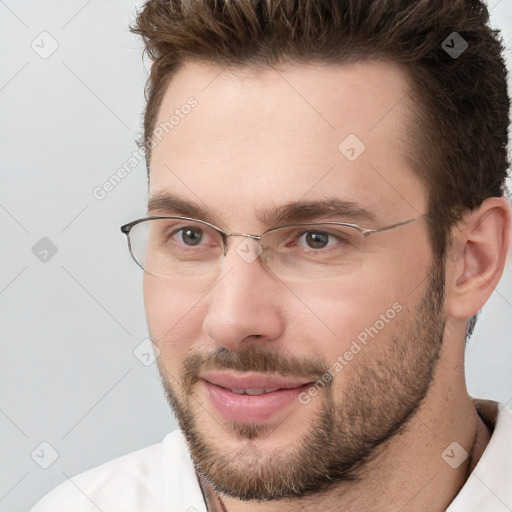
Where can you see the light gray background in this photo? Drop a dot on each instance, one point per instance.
(70, 325)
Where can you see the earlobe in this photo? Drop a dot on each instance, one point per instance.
(477, 257)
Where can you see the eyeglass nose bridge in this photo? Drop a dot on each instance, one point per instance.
(256, 238)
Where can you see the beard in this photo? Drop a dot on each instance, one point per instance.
(387, 384)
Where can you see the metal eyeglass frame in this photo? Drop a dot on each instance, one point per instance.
(126, 228)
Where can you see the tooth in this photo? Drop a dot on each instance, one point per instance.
(259, 391)
(255, 391)
(252, 392)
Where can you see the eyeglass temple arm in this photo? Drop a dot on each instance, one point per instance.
(385, 228)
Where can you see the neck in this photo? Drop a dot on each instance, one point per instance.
(420, 469)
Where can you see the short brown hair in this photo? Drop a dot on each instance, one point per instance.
(459, 134)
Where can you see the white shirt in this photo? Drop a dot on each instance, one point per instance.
(161, 478)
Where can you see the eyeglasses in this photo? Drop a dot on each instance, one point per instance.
(183, 247)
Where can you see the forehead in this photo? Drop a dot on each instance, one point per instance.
(238, 141)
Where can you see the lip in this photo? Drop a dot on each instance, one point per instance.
(251, 408)
(234, 380)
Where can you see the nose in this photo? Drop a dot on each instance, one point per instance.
(245, 304)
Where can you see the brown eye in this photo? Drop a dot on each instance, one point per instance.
(191, 235)
(316, 239)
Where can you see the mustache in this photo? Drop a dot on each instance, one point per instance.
(253, 359)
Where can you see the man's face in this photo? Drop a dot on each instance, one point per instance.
(369, 339)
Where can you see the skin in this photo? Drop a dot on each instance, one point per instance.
(258, 140)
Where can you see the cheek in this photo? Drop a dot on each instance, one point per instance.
(362, 330)
(332, 321)
(174, 316)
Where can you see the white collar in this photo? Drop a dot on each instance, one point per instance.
(489, 486)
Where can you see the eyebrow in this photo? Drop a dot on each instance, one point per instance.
(305, 211)
(167, 203)
(292, 212)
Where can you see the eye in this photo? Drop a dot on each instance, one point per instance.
(317, 239)
(190, 235)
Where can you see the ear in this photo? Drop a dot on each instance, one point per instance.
(477, 257)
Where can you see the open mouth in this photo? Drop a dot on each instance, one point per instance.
(252, 392)
(251, 398)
